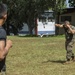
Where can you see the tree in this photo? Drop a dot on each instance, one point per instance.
(72, 3)
(20, 11)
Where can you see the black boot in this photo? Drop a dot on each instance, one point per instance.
(73, 58)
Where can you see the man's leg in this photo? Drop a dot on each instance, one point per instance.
(69, 46)
(3, 70)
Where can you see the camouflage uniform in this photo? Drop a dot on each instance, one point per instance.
(69, 43)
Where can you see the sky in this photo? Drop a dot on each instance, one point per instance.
(67, 3)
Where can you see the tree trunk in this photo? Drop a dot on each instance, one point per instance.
(8, 30)
(57, 21)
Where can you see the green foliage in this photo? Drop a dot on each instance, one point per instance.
(59, 5)
(72, 3)
(20, 11)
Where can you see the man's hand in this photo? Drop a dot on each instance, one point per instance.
(71, 30)
(68, 26)
(4, 49)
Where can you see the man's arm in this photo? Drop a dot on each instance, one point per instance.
(71, 30)
(4, 49)
(59, 25)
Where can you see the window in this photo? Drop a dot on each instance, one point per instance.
(65, 18)
(50, 19)
(42, 19)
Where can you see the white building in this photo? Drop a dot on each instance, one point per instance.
(46, 24)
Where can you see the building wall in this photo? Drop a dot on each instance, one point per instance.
(72, 15)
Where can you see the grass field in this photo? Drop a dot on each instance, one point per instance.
(38, 56)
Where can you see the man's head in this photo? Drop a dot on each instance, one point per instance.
(66, 23)
(3, 11)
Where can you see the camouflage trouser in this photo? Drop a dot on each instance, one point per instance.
(69, 46)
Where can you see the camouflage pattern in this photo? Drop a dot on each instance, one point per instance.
(69, 46)
(69, 43)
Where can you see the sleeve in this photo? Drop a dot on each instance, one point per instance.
(2, 35)
(73, 27)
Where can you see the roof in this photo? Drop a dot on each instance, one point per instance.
(68, 10)
(48, 10)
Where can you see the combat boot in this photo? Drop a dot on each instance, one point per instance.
(3, 73)
(73, 59)
(68, 62)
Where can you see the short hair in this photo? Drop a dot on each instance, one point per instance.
(3, 10)
(67, 22)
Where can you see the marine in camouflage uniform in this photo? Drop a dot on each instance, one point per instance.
(69, 42)
(70, 36)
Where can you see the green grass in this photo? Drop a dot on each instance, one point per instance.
(38, 56)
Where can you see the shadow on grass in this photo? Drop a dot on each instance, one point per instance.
(54, 61)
